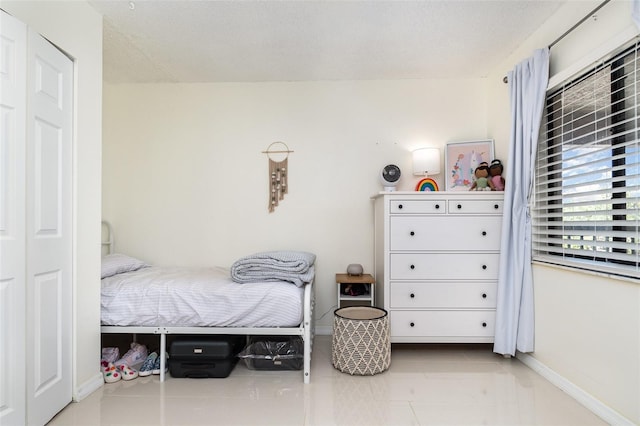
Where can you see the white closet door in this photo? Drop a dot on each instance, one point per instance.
(48, 229)
(13, 48)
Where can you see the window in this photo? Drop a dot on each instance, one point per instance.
(587, 178)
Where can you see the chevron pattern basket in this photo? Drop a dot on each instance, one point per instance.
(361, 342)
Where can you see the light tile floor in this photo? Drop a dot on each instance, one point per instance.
(425, 385)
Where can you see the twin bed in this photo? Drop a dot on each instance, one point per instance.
(260, 300)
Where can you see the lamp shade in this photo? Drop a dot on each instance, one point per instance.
(426, 161)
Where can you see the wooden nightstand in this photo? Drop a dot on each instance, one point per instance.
(345, 280)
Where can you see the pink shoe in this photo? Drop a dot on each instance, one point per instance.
(136, 355)
(110, 354)
(109, 372)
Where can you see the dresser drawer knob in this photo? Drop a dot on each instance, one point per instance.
(495, 206)
(412, 324)
(484, 324)
(412, 295)
(484, 266)
(484, 233)
(412, 266)
(437, 206)
(484, 295)
(459, 206)
(400, 206)
(412, 233)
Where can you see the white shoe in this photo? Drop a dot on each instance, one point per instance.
(110, 373)
(127, 373)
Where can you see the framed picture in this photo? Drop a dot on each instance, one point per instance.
(461, 160)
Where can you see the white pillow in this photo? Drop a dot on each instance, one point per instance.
(117, 263)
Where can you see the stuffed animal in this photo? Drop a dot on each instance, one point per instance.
(482, 182)
(495, 170)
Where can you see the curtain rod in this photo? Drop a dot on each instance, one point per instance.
(589, 15)
(576, 25)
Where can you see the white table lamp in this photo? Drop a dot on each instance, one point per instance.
(426, 161)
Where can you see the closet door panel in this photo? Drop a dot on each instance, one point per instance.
(48, 230)
(48, 178)
(13, 47)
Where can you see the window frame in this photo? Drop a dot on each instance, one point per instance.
(553, 238)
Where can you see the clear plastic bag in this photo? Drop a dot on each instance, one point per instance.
(273, 353)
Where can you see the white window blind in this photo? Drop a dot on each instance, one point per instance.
(587, 179)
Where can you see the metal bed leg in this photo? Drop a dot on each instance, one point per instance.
(307, 359)
(163, 359)
(307, 332)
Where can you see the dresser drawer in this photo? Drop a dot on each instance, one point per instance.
(416, 295)
(442, 323)
(445, 233)
(417, 206)
(475, 207)
(444, 266)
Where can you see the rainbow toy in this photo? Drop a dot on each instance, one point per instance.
(427, 184)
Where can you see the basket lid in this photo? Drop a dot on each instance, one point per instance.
(361, 312)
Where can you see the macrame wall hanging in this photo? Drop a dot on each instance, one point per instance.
(278, 154)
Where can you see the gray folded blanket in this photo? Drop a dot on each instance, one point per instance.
(293, 266)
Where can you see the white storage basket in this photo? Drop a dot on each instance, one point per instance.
(361, 342)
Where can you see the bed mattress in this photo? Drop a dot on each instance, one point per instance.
(197, 297)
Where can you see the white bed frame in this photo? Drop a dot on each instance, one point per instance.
(304, 330)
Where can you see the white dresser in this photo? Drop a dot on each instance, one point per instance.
(437, 257)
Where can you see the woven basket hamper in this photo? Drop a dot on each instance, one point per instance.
(361, 342)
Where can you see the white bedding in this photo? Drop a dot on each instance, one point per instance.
(197, 297)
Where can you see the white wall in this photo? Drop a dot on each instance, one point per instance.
(186, 182)
(588, 330)
(77, 29)
(587, 326)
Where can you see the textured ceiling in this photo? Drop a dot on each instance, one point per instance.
(228, 41)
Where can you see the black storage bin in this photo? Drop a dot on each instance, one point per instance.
(204, 356)
(274, 353)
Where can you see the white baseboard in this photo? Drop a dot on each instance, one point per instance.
(88, 387)
(593, 404)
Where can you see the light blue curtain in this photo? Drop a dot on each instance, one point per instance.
(514, 313)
